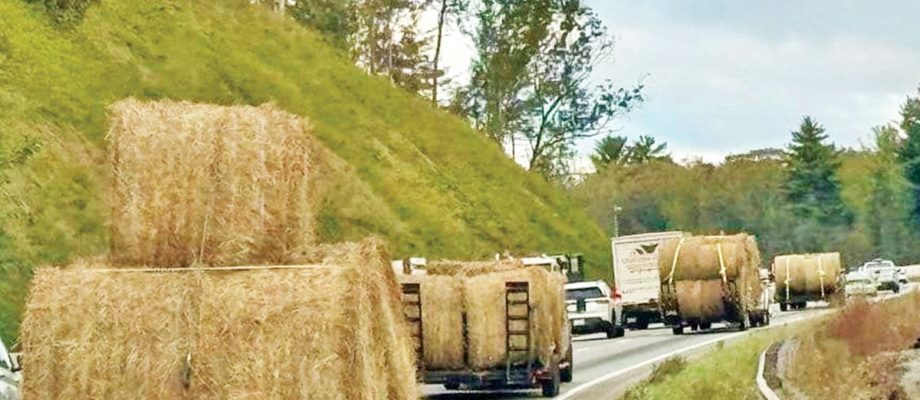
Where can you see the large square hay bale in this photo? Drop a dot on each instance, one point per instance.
(442, 319)
(207, 184)
(330, 330)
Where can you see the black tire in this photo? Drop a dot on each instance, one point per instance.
(452, 386)
(897, 289)
(677, 330)
(766, 319)
(551, 386)
(745, 322)
(783, 307)
(565, 374)
(705, 325)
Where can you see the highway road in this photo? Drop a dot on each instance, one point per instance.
(605, 368)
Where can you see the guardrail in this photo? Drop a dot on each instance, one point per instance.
(762, 385)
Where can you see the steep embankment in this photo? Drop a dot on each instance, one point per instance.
(418, 177)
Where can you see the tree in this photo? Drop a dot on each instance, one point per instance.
(446, 9)
(888, 205)
(909, 153)
(335, 19)
(610, 150)
(812, 186)
(645, 149)
(530, 78)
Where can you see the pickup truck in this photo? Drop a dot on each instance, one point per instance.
(9, 375)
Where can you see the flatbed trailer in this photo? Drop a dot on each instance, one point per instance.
(529, 374)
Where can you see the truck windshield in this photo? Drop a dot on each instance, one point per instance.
(583, 293)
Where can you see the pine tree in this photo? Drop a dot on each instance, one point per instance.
(888, 204)
(812, 186)
(910, 152)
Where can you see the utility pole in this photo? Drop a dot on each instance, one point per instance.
(616, 220)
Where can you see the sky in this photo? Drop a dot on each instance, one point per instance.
(727, 77)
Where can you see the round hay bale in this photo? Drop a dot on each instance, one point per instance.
(442, 319)
(806, 274)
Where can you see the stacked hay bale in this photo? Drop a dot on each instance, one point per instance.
(807, 276)
(710, 278)
(475, 291)
(209, 185)
(180, 312)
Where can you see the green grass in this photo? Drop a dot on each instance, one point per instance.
(725, 373)
(415, 176)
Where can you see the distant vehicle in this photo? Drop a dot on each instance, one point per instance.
(902, 276)
(9, 375)
(592, 308)
(860, 284)
(637, 280)
(760, 315)
(885, 273)
(568, 264)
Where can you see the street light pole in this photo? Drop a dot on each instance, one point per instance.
(616, 220)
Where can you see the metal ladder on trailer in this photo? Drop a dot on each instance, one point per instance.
(517, 297)
(412, 301)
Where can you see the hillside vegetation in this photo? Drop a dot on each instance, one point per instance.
(418, 177)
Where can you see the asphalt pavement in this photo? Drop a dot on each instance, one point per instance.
(605, 368)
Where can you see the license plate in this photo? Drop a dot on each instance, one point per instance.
(578, 322)
(630, 320)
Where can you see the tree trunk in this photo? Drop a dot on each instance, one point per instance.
(437, 53)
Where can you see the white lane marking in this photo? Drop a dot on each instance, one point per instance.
(583, 348)
(614, 374)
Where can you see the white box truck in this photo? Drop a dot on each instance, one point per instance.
(638, 283)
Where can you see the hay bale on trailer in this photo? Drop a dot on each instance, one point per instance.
(710, 278)
(475, 291)
(442, 320)
(329, 330)
(472, 268)
(207, 184)
(807, 276)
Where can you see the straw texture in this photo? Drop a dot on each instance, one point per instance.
(804, 275)
(329, 331)
(700, 291)
(206, 184)
(442, 319)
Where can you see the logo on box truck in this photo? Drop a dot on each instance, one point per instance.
(635, 262)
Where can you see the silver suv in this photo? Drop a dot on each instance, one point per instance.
(885, 274)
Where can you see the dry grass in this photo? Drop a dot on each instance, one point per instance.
(697, 275)
(855, 354)
(206, 184)
(331, 330)
(804, 273)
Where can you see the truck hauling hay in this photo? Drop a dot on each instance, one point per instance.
(195, 302)
(706, 279)
(806, 277)
(486, 325)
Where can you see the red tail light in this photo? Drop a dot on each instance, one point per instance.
(615, 295)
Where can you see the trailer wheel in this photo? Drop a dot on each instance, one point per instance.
(766, 319)
(677, 330)
(745, 322)
(565, 374)
(452, 386)
(783, 306)
(705, 325)
(642, 324)
(551, 386)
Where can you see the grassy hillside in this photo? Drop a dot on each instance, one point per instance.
(418, 177)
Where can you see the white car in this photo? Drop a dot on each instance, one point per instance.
(592, 308)
(885, 273)
(9, 375)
